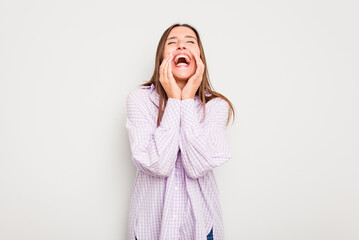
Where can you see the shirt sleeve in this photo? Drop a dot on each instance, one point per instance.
(154, 149)
(203, 147)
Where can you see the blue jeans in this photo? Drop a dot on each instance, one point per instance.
(209, 236)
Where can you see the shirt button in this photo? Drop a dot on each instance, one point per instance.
(176, 188)
(175, 215)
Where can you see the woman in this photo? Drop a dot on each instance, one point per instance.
(175, 146)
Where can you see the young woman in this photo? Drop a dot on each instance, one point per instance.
(177, 129)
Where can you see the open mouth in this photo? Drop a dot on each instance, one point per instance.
(182, 60)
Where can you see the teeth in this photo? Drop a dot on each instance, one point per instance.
(183, 56)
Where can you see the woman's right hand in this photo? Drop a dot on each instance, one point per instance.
(167, 80)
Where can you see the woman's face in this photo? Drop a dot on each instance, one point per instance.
(181, 40)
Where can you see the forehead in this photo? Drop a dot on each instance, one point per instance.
(181, 32)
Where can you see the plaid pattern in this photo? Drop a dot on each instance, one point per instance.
(175, 195)
(209, 236)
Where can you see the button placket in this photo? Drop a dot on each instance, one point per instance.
(176, 191)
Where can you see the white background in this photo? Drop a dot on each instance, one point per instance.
(289, 67)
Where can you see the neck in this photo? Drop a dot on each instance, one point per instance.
(181, 83)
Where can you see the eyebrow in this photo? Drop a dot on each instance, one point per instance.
(187, 36)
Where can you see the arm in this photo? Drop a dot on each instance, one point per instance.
(154, 150)
(203, 148)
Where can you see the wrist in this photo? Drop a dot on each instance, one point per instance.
(187, 97)
(174, 97)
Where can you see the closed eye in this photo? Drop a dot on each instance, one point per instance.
(174, 42)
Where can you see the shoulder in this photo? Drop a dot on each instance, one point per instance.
(218, 111)
(139, 94)
(138, 103)
(218, 104)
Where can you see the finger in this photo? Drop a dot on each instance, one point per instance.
(170, 76)
(199, 62)
(193, 54)
(198, 59)
(199, 70)
(163, 68)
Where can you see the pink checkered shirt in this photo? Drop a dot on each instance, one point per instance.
(175, 194)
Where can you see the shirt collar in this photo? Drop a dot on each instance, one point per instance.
(153, 95)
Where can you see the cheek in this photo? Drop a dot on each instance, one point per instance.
(196, 50)
(165, 52)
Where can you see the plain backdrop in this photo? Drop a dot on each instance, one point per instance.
(289, 67)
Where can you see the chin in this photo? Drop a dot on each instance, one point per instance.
(182, 77)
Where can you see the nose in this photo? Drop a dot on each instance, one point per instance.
(181, 45)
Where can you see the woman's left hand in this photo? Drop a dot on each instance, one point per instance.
(190, 89)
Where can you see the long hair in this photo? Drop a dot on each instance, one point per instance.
(203, 89)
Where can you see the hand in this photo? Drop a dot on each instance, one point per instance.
(167, 80)
(189, 91)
